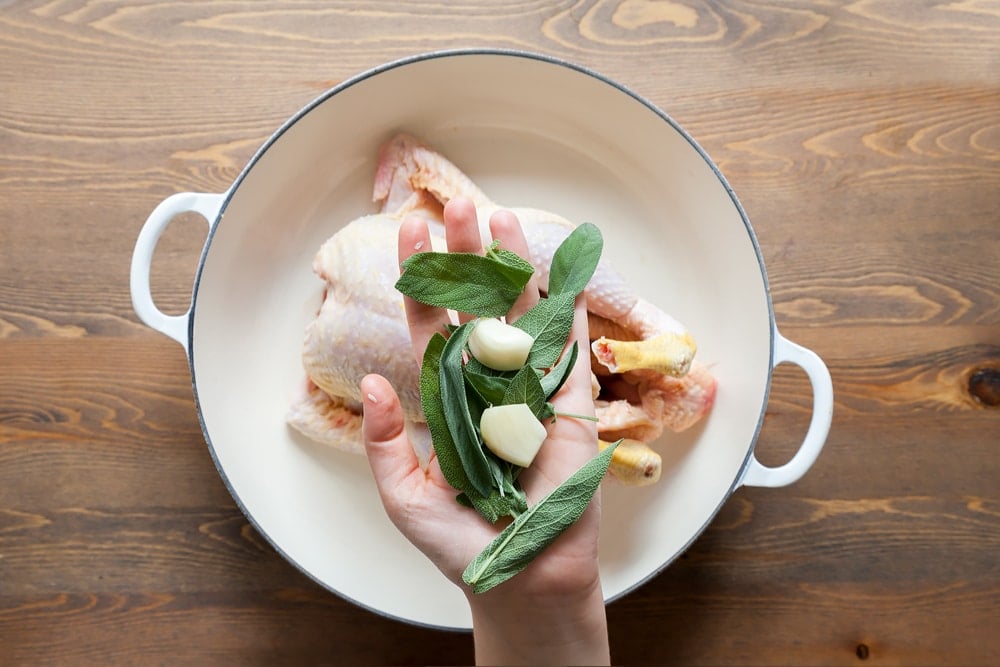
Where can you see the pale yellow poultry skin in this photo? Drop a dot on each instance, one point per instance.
(643, 359)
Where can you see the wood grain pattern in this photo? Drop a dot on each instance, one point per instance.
(863, 140)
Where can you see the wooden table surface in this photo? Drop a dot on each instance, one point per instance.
(863, 139)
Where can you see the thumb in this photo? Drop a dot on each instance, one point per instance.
(390, 454)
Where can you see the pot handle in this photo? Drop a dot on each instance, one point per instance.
(758, 474)
(205, 204)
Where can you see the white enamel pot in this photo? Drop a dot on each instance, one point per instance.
(531, 131)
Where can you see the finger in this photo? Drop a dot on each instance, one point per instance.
(575, 395)
(505, 228)
(424, 321)
(390, 454)
(461, 230)
(571, 441)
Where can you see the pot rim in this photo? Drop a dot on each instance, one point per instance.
(449, 53)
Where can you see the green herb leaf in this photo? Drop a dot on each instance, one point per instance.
(529, 534)
(525, 388)
(575, 260)
(476, 405)
(549, 322)
(491, 509)
(517, 499)
(478, 367)
(497, 506)
(509, 264)
(456, 412)
(490, 388)
(470, 283)
(554, 379)
(433, 406)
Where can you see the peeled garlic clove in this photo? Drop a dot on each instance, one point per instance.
(512, 432)
(500, 346)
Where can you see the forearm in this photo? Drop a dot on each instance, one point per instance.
(518, 630)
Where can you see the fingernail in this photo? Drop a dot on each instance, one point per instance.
(371, 397)
(418, 245)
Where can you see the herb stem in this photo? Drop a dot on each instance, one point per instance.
(576, 416)
(490, 556)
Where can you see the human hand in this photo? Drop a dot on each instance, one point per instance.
(557, 598)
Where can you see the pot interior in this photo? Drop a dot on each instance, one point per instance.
(531, 133)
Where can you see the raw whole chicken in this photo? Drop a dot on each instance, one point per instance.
(645, 378)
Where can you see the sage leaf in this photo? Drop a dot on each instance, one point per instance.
(554, 380)
(489, 388)
(509, 264)
(497, 471)
(476, 404)
(549, 322)
(457, 415)
(517, 499)
(575, 260)
(476, 366)
(531, 532)
(466, 282)
(430, 400)
(494, 508)
(525, 388)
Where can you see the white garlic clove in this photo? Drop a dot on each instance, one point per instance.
(512, 432)
(500, 346)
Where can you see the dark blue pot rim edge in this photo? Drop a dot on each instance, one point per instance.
(402, 62)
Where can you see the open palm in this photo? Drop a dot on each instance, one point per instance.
(421, 503)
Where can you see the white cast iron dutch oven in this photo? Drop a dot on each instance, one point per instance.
(531, 131)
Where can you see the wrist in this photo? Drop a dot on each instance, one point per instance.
(513, 626)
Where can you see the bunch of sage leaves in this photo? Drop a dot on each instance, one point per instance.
(454, 393)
